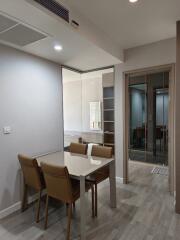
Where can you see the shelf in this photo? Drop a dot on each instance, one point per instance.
(111, 133)
(108, 91)
(108, 98)
(109, 144)
(106, 110)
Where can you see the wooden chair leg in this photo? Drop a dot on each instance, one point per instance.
(96, 200)
(24, 199)
(46, 212)
(74, 207)
(67, 209)
(38, 206)
(92, 192)
(69, 221)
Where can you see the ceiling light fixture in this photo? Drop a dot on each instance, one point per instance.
(133, 1)
(58, 48)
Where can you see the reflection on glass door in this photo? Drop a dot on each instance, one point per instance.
(148, 125)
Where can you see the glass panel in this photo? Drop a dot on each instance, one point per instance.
(138, 116)
(149, 98)
(157, 141)
(161, 149)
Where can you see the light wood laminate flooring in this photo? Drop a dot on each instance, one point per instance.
(145, 211)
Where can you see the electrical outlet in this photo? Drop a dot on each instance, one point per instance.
(7, 130)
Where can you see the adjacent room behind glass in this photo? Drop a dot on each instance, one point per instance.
(148, 124)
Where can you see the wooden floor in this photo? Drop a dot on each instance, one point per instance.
(145, 211)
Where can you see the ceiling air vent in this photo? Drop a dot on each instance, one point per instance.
(55, 7)
(14, 32)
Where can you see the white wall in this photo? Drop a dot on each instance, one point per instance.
(78, 91)
(72, 101)
(156, 54)
(31, 103)
(91, 92)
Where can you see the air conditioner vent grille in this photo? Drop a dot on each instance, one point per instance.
(55, 7)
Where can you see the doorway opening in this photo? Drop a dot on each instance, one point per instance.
(88, 106)
(149, 121)
(148, 125)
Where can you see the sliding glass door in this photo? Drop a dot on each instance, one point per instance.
(148, 120)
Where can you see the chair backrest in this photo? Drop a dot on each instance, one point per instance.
(78, 148)
(58, 182)
(31, 172)
(100, 151)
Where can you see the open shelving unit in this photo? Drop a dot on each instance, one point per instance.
(108, 113)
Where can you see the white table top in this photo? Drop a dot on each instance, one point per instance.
(77, 164)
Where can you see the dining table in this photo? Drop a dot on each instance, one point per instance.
(80, 167)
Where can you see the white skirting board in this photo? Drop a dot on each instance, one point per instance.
(119, 180)
(17, 206)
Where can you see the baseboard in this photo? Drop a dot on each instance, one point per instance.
(17, 206)
(119, 179)
(6, 212)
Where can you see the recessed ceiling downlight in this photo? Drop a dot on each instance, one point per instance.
(133, 1)
(58, 48)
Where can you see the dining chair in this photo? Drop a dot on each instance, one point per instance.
(103, 173)
(78, 148)
(33, 178)
(61, 187)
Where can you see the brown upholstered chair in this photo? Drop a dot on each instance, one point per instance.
(103, 173)
(78, 148)
(33, 178)
(101, 151)
(61, 187)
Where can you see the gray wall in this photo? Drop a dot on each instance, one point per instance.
(31, 103)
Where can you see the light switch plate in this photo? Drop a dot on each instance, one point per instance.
(7, 130)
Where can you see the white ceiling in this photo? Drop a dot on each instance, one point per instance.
(96, 74)
(132, 24)
(127, 24)
(78, 52)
